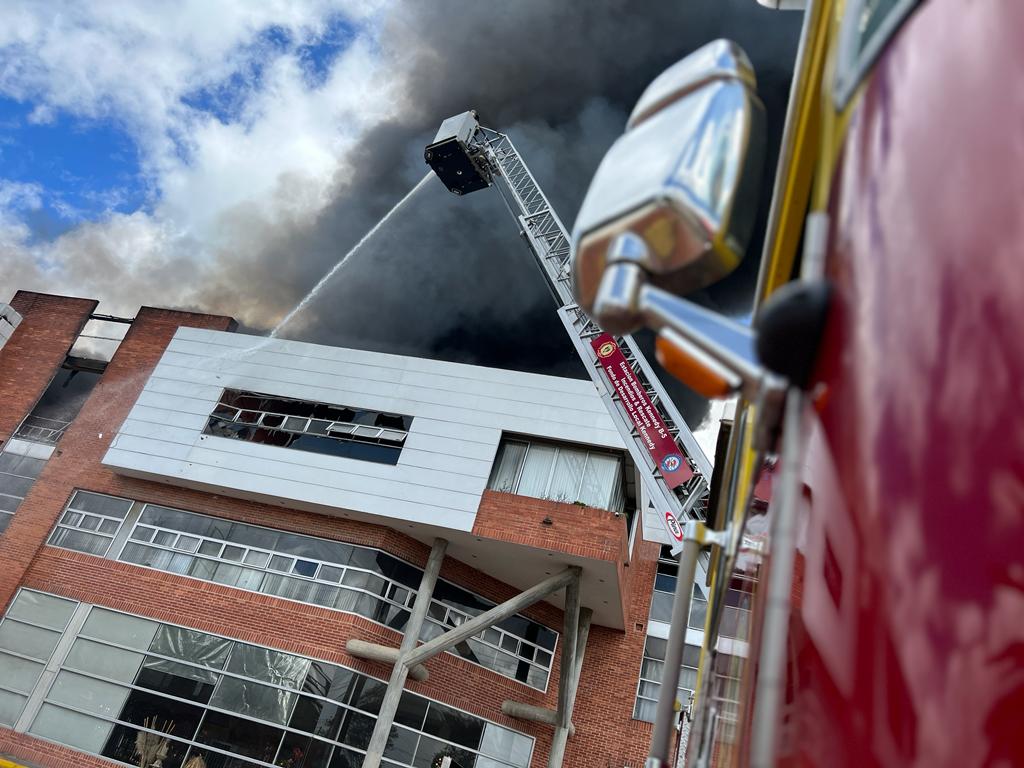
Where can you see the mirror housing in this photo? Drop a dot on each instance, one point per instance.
(684, 177)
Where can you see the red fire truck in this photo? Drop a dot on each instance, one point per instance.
(884, 375)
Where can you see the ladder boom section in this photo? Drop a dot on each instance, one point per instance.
(549, 241)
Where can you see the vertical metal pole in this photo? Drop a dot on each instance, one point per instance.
(396, 684)
(561, 737)
(661, 740)
(771, 672)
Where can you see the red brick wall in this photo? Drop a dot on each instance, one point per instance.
(77, 457)
(606, 734)
(36, 350)
(576, 530)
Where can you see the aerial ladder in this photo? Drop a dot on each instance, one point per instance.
(466, 157)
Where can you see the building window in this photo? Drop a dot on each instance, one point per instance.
(17, 474)
(146, 693)
(332, 574)
(651, 671)
(90, 522)
(563, 473)
(665, 589)
(61, 402)
(332, 429)
(28, 636)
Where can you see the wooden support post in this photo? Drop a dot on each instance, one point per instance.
(478, 624)
(383, 655)
(570, 627)
(561, 737)
(396, 684)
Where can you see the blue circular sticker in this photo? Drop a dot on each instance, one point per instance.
(672, 462)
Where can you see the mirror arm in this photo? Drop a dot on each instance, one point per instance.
(727, 343)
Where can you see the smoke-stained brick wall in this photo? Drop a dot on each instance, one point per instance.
(36, 349)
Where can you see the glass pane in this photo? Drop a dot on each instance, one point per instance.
(256, 559)
(315, 716)
(507, 745)
(80, 541)
(510, 456)
(301, 751)
(109, 526)
(401, 745)
(661, 607)
(237, 576)
(565, 480)
(45, 610)
(453, 725)
(190, 645)
(431, 751)
(102, 660)
(29, 641)
(94, 696)
(346, 758)
(187, 543)
(254, 700)
(268, 665)
(138, 747)
(142, 533)
(367, 694)
(25, 466)
(76, 730)
(19, 674)
(243, 737)
(599, 480)
(120, 629)
(412, 709)
(101, 505)
(211, 548)
(11, 705)
(180, 680)
(279, 563)
(536, 469)
(356, 730)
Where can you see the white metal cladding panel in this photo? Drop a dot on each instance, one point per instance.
(459, 413)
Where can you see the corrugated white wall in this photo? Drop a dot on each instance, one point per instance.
(460, 412)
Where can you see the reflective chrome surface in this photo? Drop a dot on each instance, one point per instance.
(718, 60)
(684, 180)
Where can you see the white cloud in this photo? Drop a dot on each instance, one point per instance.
(141, 66)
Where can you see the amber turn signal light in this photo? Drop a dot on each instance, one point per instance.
(695, 368)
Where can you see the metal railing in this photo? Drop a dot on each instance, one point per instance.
(39, 429)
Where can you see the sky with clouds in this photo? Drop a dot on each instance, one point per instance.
(223, 155)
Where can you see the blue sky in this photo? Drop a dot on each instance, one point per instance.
(85, 167)
(138, 147)
(88, 166)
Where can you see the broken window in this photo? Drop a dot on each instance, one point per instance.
(338, 430)
(61, 402)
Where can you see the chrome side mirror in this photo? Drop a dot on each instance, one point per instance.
(683, 178)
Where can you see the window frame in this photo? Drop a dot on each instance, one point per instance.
(618, 489)
(44, 689)
(134, 521)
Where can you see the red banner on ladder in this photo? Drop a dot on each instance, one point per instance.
(655, 435)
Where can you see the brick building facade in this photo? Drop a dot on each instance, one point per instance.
(124, 525)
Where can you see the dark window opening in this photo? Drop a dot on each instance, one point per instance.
(316, 427)
(60, 404)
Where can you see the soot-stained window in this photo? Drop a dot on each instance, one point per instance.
(337, 430)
